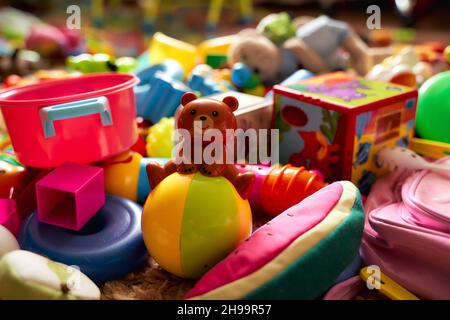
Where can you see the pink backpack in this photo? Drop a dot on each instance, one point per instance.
(407, 231)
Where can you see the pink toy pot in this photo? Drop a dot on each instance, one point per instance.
(83, 119)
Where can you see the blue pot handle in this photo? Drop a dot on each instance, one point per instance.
(74, 109)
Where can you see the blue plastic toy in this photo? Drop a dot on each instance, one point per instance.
(202, 80)
(108, 247)
(160, 89)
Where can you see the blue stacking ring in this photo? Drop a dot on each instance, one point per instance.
(108, 247)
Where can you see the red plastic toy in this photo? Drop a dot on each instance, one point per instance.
(278, 188)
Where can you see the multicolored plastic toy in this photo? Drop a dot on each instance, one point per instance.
(126, 176)
(207, 81)
(71, 195)
(433, 109)
(278, 188)
(246, 79)
(190, 222)
(336, 123)
(108, 247)
(49, 279)
(287, 257)
(405, 68)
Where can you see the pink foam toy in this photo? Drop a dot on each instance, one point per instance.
(9, 217)
(70, 195)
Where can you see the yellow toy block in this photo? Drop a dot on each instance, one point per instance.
(163, 47)
(218, 45)
(431, 149)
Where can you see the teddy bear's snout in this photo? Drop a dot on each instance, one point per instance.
(206, 121)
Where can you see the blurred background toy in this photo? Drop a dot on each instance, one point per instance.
(405, 69)
(100, 62)
(19, 63)
(247, 80)
(206, 81)
(308, 48)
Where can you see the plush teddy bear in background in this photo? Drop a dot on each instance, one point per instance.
(317, 45)
(210, 114)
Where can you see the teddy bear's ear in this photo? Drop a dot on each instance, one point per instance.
(188, 97)
(231, 102)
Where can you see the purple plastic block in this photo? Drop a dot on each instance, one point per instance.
(70, 195)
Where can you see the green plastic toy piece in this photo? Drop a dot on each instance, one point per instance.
(277, 27)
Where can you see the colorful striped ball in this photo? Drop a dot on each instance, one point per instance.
(191, 222)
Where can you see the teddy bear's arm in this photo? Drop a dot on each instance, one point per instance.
(305, 55)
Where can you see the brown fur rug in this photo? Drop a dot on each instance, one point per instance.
(151, 282)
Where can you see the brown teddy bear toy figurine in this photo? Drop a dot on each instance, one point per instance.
(278, 47)
(193, 119)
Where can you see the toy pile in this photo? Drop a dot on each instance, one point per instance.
(94, 205)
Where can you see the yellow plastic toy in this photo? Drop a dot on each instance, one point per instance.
(160, 138)
(218, 45)
(388, 287)
(191, 222)
(163, 47)
(122, 174)
(429, 148)
(126, 176)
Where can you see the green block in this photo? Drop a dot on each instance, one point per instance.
(216, 60)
